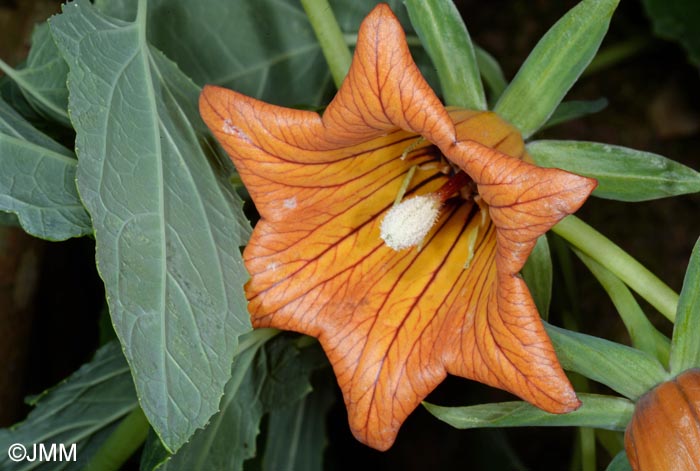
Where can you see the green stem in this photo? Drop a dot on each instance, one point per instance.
(620, 263)
(644, 335)
(121, 444)
(586, 436)
(330, 37)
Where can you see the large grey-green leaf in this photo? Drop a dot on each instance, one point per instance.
(83, 409)
(42, 79)
(264, 377)
(263, 48)
(623, 174)
(296, 434)
(37, 181)
(611, 413)
(167, 223)
(554, 65)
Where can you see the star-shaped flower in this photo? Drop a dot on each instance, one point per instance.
(394, 320)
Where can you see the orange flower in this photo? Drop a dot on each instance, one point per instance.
(664, 433)
(395, 321)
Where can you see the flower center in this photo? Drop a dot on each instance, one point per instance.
(407, 223)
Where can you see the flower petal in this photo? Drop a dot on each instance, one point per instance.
(507, 346)
(524, 200)
(394, 323)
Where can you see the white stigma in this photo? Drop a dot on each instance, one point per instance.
(407, 223)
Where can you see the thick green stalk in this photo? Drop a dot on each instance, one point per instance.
(586, 437)
(330, 37)
(620, 263)
(642, 332)
(121, 444)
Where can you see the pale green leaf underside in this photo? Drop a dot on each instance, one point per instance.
(264, 376)
(623, 174)
(606, 412)
(83, 409)
(168, 225)
(37, 181)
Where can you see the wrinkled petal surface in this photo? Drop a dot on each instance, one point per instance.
(393, 324)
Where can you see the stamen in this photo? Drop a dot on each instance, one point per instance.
(454, 185)
(472, 236)
(474, 230)
(412, 147)
(406, 224)
(404, 185)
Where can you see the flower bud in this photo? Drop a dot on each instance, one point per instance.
(664, 433)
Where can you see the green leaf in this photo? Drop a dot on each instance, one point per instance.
(619, 463)
(611, 413)
(677, 21)
(491, 72)
(43, 77)
(537, 273)
(445, 37)
(9, 219)
(125, 440)
(264, 377)
(37, 181)
(624, 369)
(554, 65)
(623, 174)
(570, 110)
(154, 455)
(83, 409)
(297, 433)
(685, 344)
(251, 46)
(620, 263)
(167, 222)
(642, 332)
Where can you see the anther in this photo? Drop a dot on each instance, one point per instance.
(407, 223)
